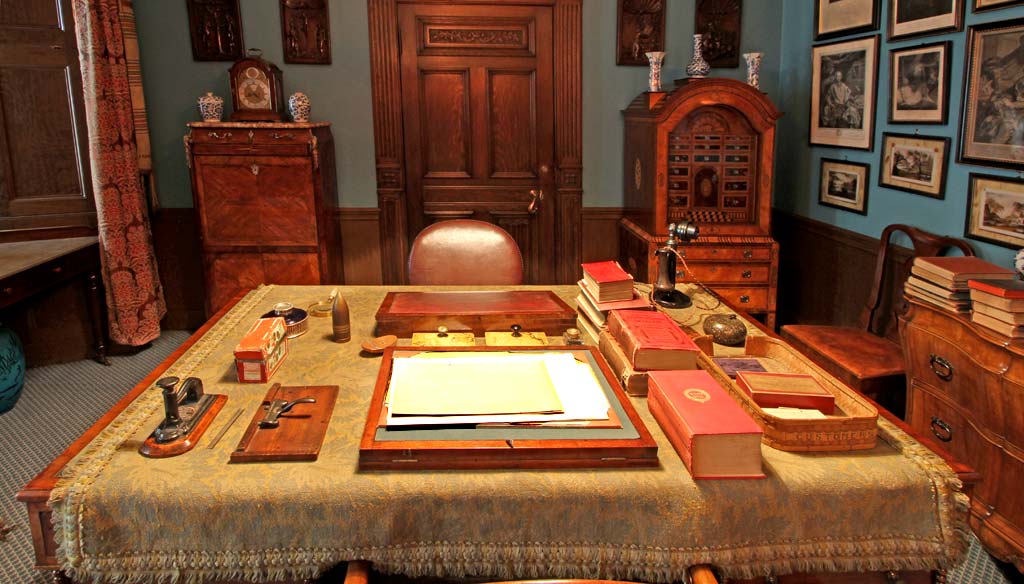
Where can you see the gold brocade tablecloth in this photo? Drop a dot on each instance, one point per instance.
(122, 518)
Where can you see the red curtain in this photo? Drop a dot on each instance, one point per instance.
(135, 299)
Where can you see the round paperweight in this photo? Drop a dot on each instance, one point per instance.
(725, 329)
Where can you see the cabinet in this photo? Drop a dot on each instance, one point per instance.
(265, 195)
(966, 388)
(704, 152)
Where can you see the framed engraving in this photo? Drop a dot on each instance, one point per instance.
(916, 164)
(216, 30)
(306, 31)
(982, 5)
(844, 185)
(919, 84)
(719, 23)
(641, 29)
(992, 210)
(843, 84)
(834, 18)
(992, 119)
(911, 18)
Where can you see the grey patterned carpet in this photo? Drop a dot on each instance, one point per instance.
(61, 401)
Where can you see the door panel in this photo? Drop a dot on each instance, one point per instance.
(477, 109)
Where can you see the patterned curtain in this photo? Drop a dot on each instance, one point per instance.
(135, 299)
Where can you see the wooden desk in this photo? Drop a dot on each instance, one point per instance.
(412, 517)
(29, 267)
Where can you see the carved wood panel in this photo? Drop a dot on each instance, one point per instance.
(641, 29)
(216, 30)
(306, 31)
(453, 35)
(513, 124)
(444, 124)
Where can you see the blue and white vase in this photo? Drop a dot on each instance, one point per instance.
(655, 58)
(211, 107)
(299, 107)
(698, 67)
(12, 369)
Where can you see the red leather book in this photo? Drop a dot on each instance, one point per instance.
(608, 281)
(638, 300)
(1000, 288)
(713, 435)
(786, 390)
(652, 340)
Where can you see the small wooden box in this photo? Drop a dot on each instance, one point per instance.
(403, 313)
(261, 351)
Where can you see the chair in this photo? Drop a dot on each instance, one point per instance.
(465, 252)
(863, 360)
(358, 572)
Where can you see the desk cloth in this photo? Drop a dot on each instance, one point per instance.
(119, 517)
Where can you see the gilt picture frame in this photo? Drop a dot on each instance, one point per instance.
(991, 218)
(916, 18)
(834, 18)
(916, 164)
(844, 185)
(992, 108)
(844, 82)
(919, 84)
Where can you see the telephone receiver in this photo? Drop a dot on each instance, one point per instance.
(665, 293)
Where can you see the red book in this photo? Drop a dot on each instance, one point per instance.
(652, 340)
(1000, 288)
(786, 390)
(608, 281)
(640, 301)
(713, 435)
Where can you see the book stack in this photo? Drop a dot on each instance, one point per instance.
(639, 341)
(942, 281)
(591, 311)
(998, 305)
(607, 281)
(712, 434)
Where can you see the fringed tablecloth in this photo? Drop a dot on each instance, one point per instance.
(122, 518)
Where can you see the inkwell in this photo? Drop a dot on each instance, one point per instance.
(665, 292)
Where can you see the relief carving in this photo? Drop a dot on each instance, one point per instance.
(306, 31)
(216, 30)
(469, 36)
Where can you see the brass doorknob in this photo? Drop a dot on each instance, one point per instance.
(536, 196)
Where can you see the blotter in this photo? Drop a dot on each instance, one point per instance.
(299, 433)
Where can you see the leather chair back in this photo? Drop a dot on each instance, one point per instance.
(465, 252)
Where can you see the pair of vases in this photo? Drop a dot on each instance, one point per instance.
(211, 107)
(698, 67)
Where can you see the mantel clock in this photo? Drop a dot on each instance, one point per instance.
(257, 92)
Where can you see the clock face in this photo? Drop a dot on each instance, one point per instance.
(253, 89)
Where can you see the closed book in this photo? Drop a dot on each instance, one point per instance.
(638, 301)
(786, 390)
(635, 382)
(1015, 318)
(585, 306)
(1001, 288)
(999, 302)
(652, 340)
(1006, 329)
(914, 281)
(608, 281)
(730, 365)
(588, 329)
(713, 435)
(950, 305)
(961, 268)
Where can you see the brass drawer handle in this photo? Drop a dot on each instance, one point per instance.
(747, 254)
(942, 368)
(941, 429)
(744, 299)
(217, 136)
(288, 136)
(989, 510)
(747, 274)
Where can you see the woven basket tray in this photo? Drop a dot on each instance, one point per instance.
(854, 428)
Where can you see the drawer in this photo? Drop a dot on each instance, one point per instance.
(1013, 413)
(220, 136)
(739, 273)
(970, 378)
(754, 253)
(281, 136)
(934, 416)
(1009, 504)
(747, 299)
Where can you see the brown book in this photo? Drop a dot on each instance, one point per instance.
(585, 306)
(786, 390)
(1014, 318)
(590, 331)
(652, 340)
(1003, 328)
(635, 382)
(958, 306)
(995, 301)
(959, 269)
(713, 435)
(940, 291)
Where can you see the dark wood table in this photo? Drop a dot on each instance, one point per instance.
(30, 267)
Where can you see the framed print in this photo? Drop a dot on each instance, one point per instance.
(843, 82)
(911, 18)
(993, 215)
(844, 185)
(916, 164)
(992, 117)
(834, 18)
(641, 29)
(982, 5)
(919, 84)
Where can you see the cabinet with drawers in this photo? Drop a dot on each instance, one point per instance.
(704, 153)
(264, 195)
(966, 388)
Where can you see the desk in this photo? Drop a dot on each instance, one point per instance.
(894, 507)
(29, 267)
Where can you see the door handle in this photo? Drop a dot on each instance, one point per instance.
(536, 196)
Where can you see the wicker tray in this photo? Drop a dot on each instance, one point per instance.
(854, 428)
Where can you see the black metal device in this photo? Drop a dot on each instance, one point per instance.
(665, 293)
(183, 408)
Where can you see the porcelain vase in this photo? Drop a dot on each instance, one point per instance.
(12, 369)
(753, 69)
(211, 107)
(655, 58)
(698, 67)
(299, 107)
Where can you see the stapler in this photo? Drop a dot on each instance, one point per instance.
(188, 411)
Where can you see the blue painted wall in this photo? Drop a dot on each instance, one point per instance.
(341, 92)
(799, 164)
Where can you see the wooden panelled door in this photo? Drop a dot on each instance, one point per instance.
(477, 108)
(477, 114)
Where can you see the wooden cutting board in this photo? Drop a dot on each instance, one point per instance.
(300, 432)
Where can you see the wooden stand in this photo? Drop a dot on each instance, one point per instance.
(300, 433)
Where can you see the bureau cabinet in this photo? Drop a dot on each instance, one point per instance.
(966, 388)
(264, 195)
